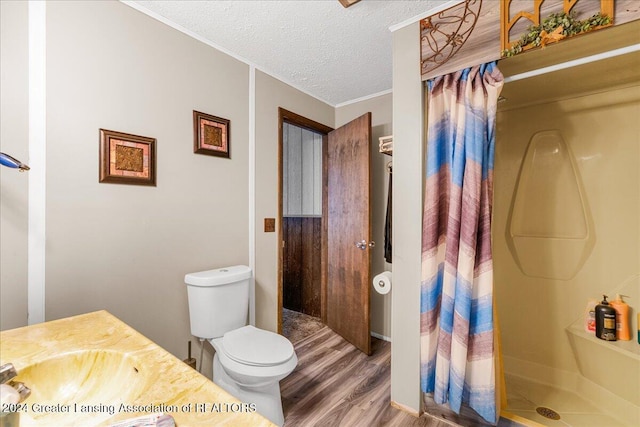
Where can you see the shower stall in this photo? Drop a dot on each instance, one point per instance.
(566, 228)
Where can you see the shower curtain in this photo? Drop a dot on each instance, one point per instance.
(456, 307)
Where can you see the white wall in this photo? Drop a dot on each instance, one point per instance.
(381, 114)
(14, 136)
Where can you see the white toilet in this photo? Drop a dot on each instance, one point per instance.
(249, 362)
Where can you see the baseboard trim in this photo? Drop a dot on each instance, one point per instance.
(380, 337)
(406, 409)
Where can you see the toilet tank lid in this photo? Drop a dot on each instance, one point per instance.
(218, 276)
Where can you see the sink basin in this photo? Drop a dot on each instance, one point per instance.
(74, 388)
(81, 369)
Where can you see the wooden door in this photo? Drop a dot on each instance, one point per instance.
(348, 232)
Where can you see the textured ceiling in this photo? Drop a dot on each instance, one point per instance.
(335, 54)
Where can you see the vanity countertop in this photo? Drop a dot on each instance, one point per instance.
(167, 385)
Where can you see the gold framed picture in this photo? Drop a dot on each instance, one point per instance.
(211, 135)
(127, 159)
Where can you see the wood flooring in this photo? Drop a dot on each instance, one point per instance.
(335, 384)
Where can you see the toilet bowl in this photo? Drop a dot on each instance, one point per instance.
(249, 362)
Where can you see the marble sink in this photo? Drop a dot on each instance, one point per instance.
(94, 370)
(82, 380)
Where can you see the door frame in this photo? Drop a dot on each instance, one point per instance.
(285, 116)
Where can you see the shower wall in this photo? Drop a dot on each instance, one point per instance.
(601, 134)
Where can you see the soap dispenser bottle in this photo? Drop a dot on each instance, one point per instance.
(605, 321)
(623, 330)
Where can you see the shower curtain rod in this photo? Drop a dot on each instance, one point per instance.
(574, 63)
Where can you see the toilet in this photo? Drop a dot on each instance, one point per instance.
(249, 362)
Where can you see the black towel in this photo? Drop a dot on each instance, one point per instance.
(387, 223)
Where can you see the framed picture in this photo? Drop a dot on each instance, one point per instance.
(211, 135)
(127, 159)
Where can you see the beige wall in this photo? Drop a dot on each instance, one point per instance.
(601, 131)
(270, 95)
(407, 217)
(14, 137)
(381, 113)
(126, 248)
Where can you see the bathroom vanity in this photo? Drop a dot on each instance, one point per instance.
(94, 370)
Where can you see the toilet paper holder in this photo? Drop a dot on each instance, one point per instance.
(382, 282)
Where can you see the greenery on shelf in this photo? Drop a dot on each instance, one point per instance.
(554, 28)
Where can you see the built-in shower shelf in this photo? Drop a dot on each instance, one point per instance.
(609, 364)
(628, 348)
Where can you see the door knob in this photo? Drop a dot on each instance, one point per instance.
(362, 244)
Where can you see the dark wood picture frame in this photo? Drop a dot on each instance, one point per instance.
(211, 135)
(127, 159)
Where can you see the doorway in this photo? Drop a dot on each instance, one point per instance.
(329, 221)
(303, 215)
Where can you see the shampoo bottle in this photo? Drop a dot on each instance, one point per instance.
(605, 321)
(623, 330)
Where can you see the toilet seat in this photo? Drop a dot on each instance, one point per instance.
(256, 347)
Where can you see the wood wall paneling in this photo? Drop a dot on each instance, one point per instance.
(292, 181)
(287, 118)
(317, 174)
(301, 264)
(302, 222)
(284, 168)
(292, 264)
(307, 189)
(302, 169)
(441, 33)
(311, 251)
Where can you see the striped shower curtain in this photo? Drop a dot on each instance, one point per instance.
(456, 307)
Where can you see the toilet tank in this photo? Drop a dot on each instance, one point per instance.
(218, 300)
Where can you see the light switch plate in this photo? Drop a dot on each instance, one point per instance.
(269, 225)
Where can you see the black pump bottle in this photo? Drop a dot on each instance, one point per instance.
(605, 321)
